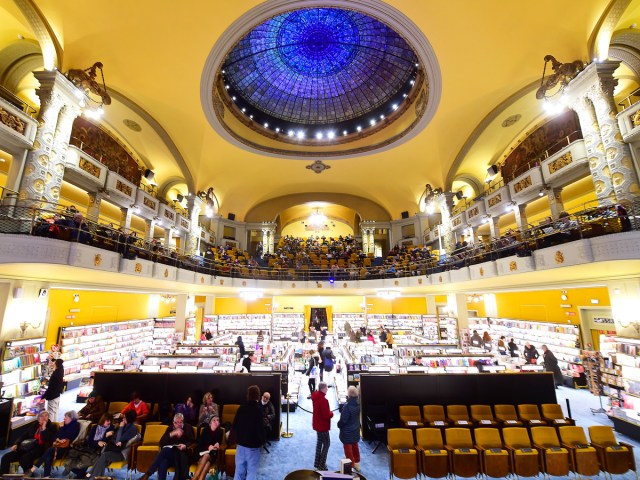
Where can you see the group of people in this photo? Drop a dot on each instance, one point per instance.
(88, 452)
(320, 366)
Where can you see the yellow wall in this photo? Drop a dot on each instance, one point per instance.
(238, 306)
(545, 306)
(97, 307)
(408, 305)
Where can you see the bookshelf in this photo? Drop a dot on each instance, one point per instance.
(244, 323)
(164, 331)
(115, 345)
(287, 325)
(21, 373)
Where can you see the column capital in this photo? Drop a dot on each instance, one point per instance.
(54, 86)
(590, 78)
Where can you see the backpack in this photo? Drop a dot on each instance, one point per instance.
(328, 363)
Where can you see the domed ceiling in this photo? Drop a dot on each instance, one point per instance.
(322, 78)
(320, 67)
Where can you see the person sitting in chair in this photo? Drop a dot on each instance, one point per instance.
(268, 414)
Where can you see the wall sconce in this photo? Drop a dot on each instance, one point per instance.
(168, 298)
(76, 297)
(25, 325)
(563, 295)
(388, 294)
(250, 295)
(474, 298)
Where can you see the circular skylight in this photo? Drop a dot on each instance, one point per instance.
(319, 67)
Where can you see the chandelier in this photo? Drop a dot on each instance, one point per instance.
(317, 219)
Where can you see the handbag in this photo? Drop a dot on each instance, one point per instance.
(26, 445)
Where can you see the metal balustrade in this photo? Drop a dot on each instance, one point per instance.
(589, 223)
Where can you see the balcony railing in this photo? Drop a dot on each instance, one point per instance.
(58, 224)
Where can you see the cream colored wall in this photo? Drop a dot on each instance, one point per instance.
(291, 304)
(297, 229)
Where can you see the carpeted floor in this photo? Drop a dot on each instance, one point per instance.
(297, 452)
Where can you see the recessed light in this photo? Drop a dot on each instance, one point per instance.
(266, 125)
(319, 136)
(233, 98)
(359, 128)
(345, 133)
(394, 106)
(372, 122)
(331, 135)
(277, 129)
(300, 134)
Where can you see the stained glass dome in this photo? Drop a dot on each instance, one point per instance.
(319, 67)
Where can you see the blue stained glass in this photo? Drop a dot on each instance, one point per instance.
(319, 66)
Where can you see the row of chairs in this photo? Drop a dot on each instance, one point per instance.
(527, 415)
(519, 451)
(227, 411)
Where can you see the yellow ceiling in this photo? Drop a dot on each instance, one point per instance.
(490, 54)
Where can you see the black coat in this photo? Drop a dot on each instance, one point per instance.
(56, 385)
(248, 425)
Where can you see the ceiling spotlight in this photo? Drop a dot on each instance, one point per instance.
(277, 129)
(233, 98)
(412, 82)
(251, 117)
(227, 87)
(291, 133)
(417, 65)
(345, 133)
(300, 135)
(244, 110)
(381, 117)
(394, 106)
(331, 135)
(541, 192)
(359, 128)
(372, 122)
(404, 95)
(266, 125)
(319, 136)
(224, 71)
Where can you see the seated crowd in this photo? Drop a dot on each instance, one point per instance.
(87, 442)
(341, 258)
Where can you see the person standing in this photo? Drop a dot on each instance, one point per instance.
(268, 414)
(246, 363)
(349, 425)
(321, 364)
(486, 341)
(328, 362)
(551, 365)
(476, 340)
(513, 348)
(249, 428)
(54, 390)
(313, 371)
(389, 339)
(530, 354)
(322, 416)
(240, 345)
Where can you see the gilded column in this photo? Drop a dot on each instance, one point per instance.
(521, 217)
(125, 218)
(93, 209)
(194, 206)
(624, 178)
(44, 166)
(445, 201)
(556, 205)
(595, 150)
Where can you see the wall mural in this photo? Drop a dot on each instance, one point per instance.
(547, 137)
(104, 148)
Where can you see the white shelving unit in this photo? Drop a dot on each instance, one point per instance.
(93, 347)
(627, 363)
(285, 325)
(562, 339)
(22, 370)
(244, 323)
(164, 333)
(356, 320)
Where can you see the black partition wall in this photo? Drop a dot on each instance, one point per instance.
(175, 387)
(388, 392)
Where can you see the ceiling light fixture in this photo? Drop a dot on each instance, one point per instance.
(388, 294)
(317, 219)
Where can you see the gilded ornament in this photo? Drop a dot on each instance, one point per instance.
(617, 179)
(221, 281)
(244, 283)
(47, 178)
(138, 267)
(611, 153)
(344, 285)
(626, 162)
(38, 185)
(636, 119)
(166, 272)
(318, 285)
(55, 192)
(593, 163)
(606, 171)
(293, 285)
(634, 188)
(201, 279)
(419, 281)
(559, 257)
(440, 279)
(618, 137)
(599, 186)
(43, 160)
(513, 266)
(605, 130)
(47, 137)
(59, 169)
(97, 260)
(481, 271)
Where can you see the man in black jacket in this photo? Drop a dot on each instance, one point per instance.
(249, 429)
(54, 390)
